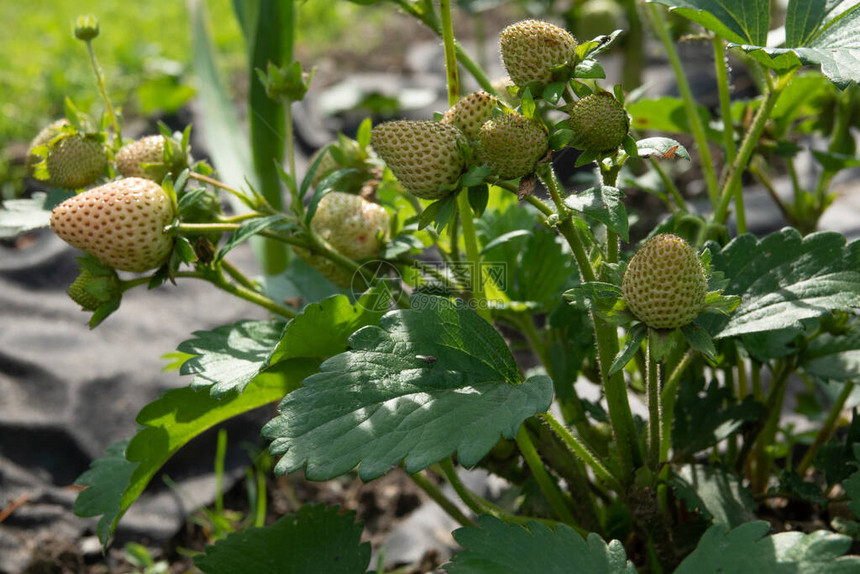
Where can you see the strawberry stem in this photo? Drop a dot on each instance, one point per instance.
(658, 20)
(547, 486)
(100, 80)
(655, 409)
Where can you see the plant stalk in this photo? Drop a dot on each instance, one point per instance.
(661, 28)
(583, 452)
(437, 496)
(547, 486)
(655, 411)
(827, 429)
(100, 80)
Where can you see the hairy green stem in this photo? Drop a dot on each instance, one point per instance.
(728, 126)
(466, 495)
(655, 410)
(747, 147)
(218, 280)
(583, 452)
(451, 72)
(662, 29)
(606, 337)
(100, 80)
(667, 398)
(547, 486)
(670, 186)
(437, 496)
(827, 428)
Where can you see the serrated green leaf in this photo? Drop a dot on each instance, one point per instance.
(702, 419)
(227, 358)
(427, 382)
(169, 423)
(747, 550)
(105, 481)
(661, 148)
(715, 493)
(603, 204)
(494, 547)
(785, 278)
(740, 21)
(315, 539)
(21, 215)
(818, 32)
(833, 357)
(322, 329)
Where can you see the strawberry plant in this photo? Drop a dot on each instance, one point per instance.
(629, 387)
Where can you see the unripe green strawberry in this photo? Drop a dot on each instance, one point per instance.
(424, 156)
(327, 165)
(90, 291)
(471, 112)
(121, 223)
(531, 49)
(664, 284)
(350, 225)
(75, 161)
(599, 123)
(512, 145)
(43, 138)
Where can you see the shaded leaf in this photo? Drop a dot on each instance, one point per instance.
(785, 278)
(315, 539)
(494, 547)
(740, 21)
(427, 382)
(833, 357)
(229, 357)
(105, 482)
(169, 423)
(715, 493)
(701, 420)
(747, 550)
(603, 204)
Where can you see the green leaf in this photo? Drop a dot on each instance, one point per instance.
(603, 204)
(427, 382)
(701, 420)
(747, 550)
(700, 340)
(820, 33)
(833, 357)
(21, 215)
(105, 481)
(661, 148)
(322, 329)
(169, 423)
(494, 547)
(439, 213)
(628, 351)
(740, 21)
(248, 230)
(666, 115)
(715, 493)
(315, 539)
(227, 358)
(785, 278)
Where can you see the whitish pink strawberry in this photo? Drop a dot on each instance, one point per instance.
(471, 112)
(121, 223)
(424, 156)
(664, 284)
(599, 123)
(146, 158)
(512, 145)
(531, 49)
(351, 226)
